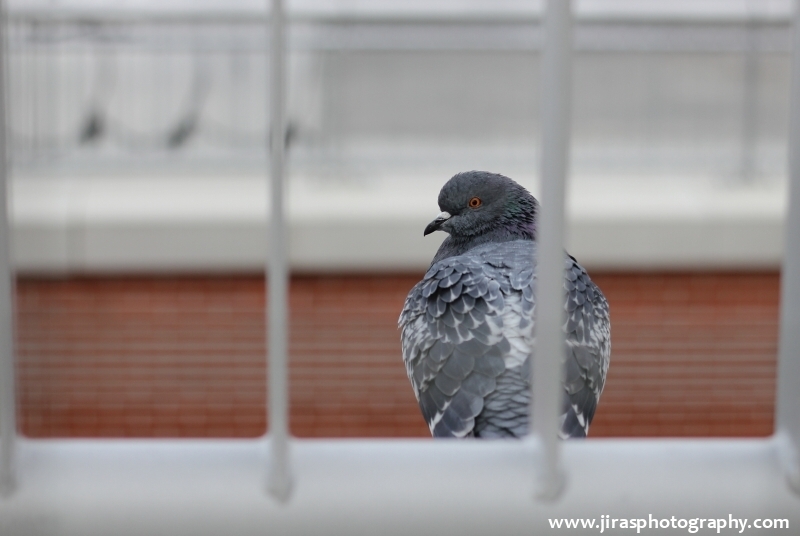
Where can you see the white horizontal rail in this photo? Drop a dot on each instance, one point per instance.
(714, 11)
(512, 33)
(102, 487)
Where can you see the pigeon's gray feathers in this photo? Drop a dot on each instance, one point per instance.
(468, 340)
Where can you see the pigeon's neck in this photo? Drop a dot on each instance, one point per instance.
(454, 245)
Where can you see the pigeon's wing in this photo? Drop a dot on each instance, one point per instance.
(453, 341)
(588, 332)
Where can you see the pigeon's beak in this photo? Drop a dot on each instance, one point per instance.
(435, 224)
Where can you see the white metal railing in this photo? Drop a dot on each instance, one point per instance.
(8, 417)
(405, 487)
(719, 11)
(279, 477)
(787, 409)
(550, 342)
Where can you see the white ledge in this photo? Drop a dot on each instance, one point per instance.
(350, 487)
(204, 224)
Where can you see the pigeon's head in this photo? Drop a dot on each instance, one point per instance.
(477, 203)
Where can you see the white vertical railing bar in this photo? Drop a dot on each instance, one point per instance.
(787, 416)
(750, 84)
(279, 481)
(550, 343)
(8, 411)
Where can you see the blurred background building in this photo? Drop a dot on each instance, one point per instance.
(139, 135)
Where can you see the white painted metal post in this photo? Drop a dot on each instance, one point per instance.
(788, 393)
(8, 411)
(550, 343)
(279, 476)
(749, 97)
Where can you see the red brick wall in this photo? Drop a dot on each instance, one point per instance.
(692, 355)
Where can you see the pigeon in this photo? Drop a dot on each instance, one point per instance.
(467, 329)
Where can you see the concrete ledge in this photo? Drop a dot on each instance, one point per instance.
(353, 487)
(207, 224)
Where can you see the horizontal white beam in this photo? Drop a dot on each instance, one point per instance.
(450, 32)
(197, 224)
(354, 487)
(244, 10)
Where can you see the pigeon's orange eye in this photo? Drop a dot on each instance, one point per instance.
(475, 202)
